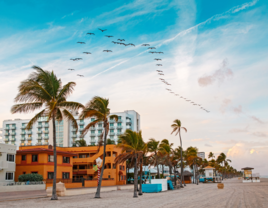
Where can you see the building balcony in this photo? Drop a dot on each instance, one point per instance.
(119, 121)
(23, 127)
(13, 139)
(7, 128)
(39, 138)
(119, 127)
(13, 127)
(39, 132)
(22, 139)
(128, 122)
(6, 140)
(46, 137)
(29, 144)
(23, 133)
(111, 121)
(99, 134)
(39, 143)
(74, 135)
(13, 133)
(29, 132)
(112, 127)
(6, 134)
(112, 133)
(29, 139)
(99, 127)
(45, 143)
(81, 128)
(40, 126)
(81, 122)
(92, 128)
(46, 131)
(22, 144)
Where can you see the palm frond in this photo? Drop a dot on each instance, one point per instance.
(26, 107)
(71, 118)
(35, 118)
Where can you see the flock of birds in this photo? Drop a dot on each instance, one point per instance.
(160, 72)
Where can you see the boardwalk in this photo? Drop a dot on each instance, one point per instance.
(235, 194)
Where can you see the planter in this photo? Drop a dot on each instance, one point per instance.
(220, 185)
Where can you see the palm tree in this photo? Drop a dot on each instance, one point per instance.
(193, 160)
(177, 128)
(166, 149)
(43, 90)
(132, 146)
(80, 143)
(211, 155)
(153, 146)
(98, 108)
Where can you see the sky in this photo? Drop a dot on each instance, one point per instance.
(215, 54)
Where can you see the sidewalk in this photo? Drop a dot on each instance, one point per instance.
(22, 195)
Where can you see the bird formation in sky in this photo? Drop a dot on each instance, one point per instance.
(160, 72)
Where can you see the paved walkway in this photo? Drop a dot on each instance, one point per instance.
(234, 195)
(21, 195)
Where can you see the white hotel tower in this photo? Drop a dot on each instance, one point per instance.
(13, 131)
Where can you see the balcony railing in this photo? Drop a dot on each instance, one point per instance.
(23, 127)
(13, 133)
(23, 133)
(112, 133)
(92, 128)
(6, 140)
(40, 126)
(6, 134)
(46, 131)
(22, 139)
(74, 135)
(13, 127)
(46, 137)
(45, 143)
(111, 127)
(29, 139)
(119, 121)
(119, 127)
(39, 132)
(29, 132)
(7, 128)
(39, 138)
(111, 121)
(13, 139)
(100, 127)
(22, 144)
(81, 122)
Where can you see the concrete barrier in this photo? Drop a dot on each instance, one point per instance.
(23, 188)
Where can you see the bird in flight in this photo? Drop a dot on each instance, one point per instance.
(157, 59)
(87, 52)
(73, 59)
(78, 58)
(131, 44)
(168, 89)
(161, 79)
(102, 30)
(145, 44)
(159, 71)
(109, 36)
(160, 74)
(80, 75)
(107, 51)
(151, 48)
(81, 42)
(158, 64)
(159, 52)
(151, 52)
(121, 40)
(90, 33)
(71, 69)
(114, 42)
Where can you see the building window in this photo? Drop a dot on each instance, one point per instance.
(109, 176)
(92, 119)
(35, 172)
(92, 132)
(50, 158)
(119, 117)
(99, 125)
(50, 175)
(9, 176)
(65, 175)
(10, 158)
(114, 166)
(34, 158)
(23, 158)
(66, 159)
(118, 130)
(123, 167)
(99, 131)
(111, 131)
(111, 124)
(24, 173)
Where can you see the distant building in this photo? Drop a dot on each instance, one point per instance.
(13, 131)
(202, 155)
(7, 162)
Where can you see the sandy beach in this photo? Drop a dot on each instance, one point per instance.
(235, 194)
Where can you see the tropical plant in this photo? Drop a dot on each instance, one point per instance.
(43, 90)
(193, 161)
(153, 146)
(98, 109)
(211, 155)
(132, 146)
(109, 141)
(177, 129)
(80, 143)
(166, 149)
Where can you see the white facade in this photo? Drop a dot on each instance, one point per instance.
(202, 155)
(13, 131)
(7, 162)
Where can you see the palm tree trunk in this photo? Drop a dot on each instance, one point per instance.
(175, 178)
(97, 195)
(135, 178)
(162, 169)
(156, 159)
(140, 190)
(54, 193)
(182, 175)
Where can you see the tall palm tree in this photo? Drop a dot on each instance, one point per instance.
(98, 109)
(153, 146)
(43, 90)
(211, 155)
(132, 146)
(166, 149)
(193, 160)
(177, 128)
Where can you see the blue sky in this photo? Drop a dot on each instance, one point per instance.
(215, 53)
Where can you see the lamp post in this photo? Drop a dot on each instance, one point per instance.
(98, 162)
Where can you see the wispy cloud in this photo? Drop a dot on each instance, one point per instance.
(256, 119)
(239, 130)
(219, 75)
(259, 134)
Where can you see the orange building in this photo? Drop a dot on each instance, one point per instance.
(80, 166)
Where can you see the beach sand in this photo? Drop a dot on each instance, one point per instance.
(235, 194)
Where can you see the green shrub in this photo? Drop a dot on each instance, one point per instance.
(30, 177)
